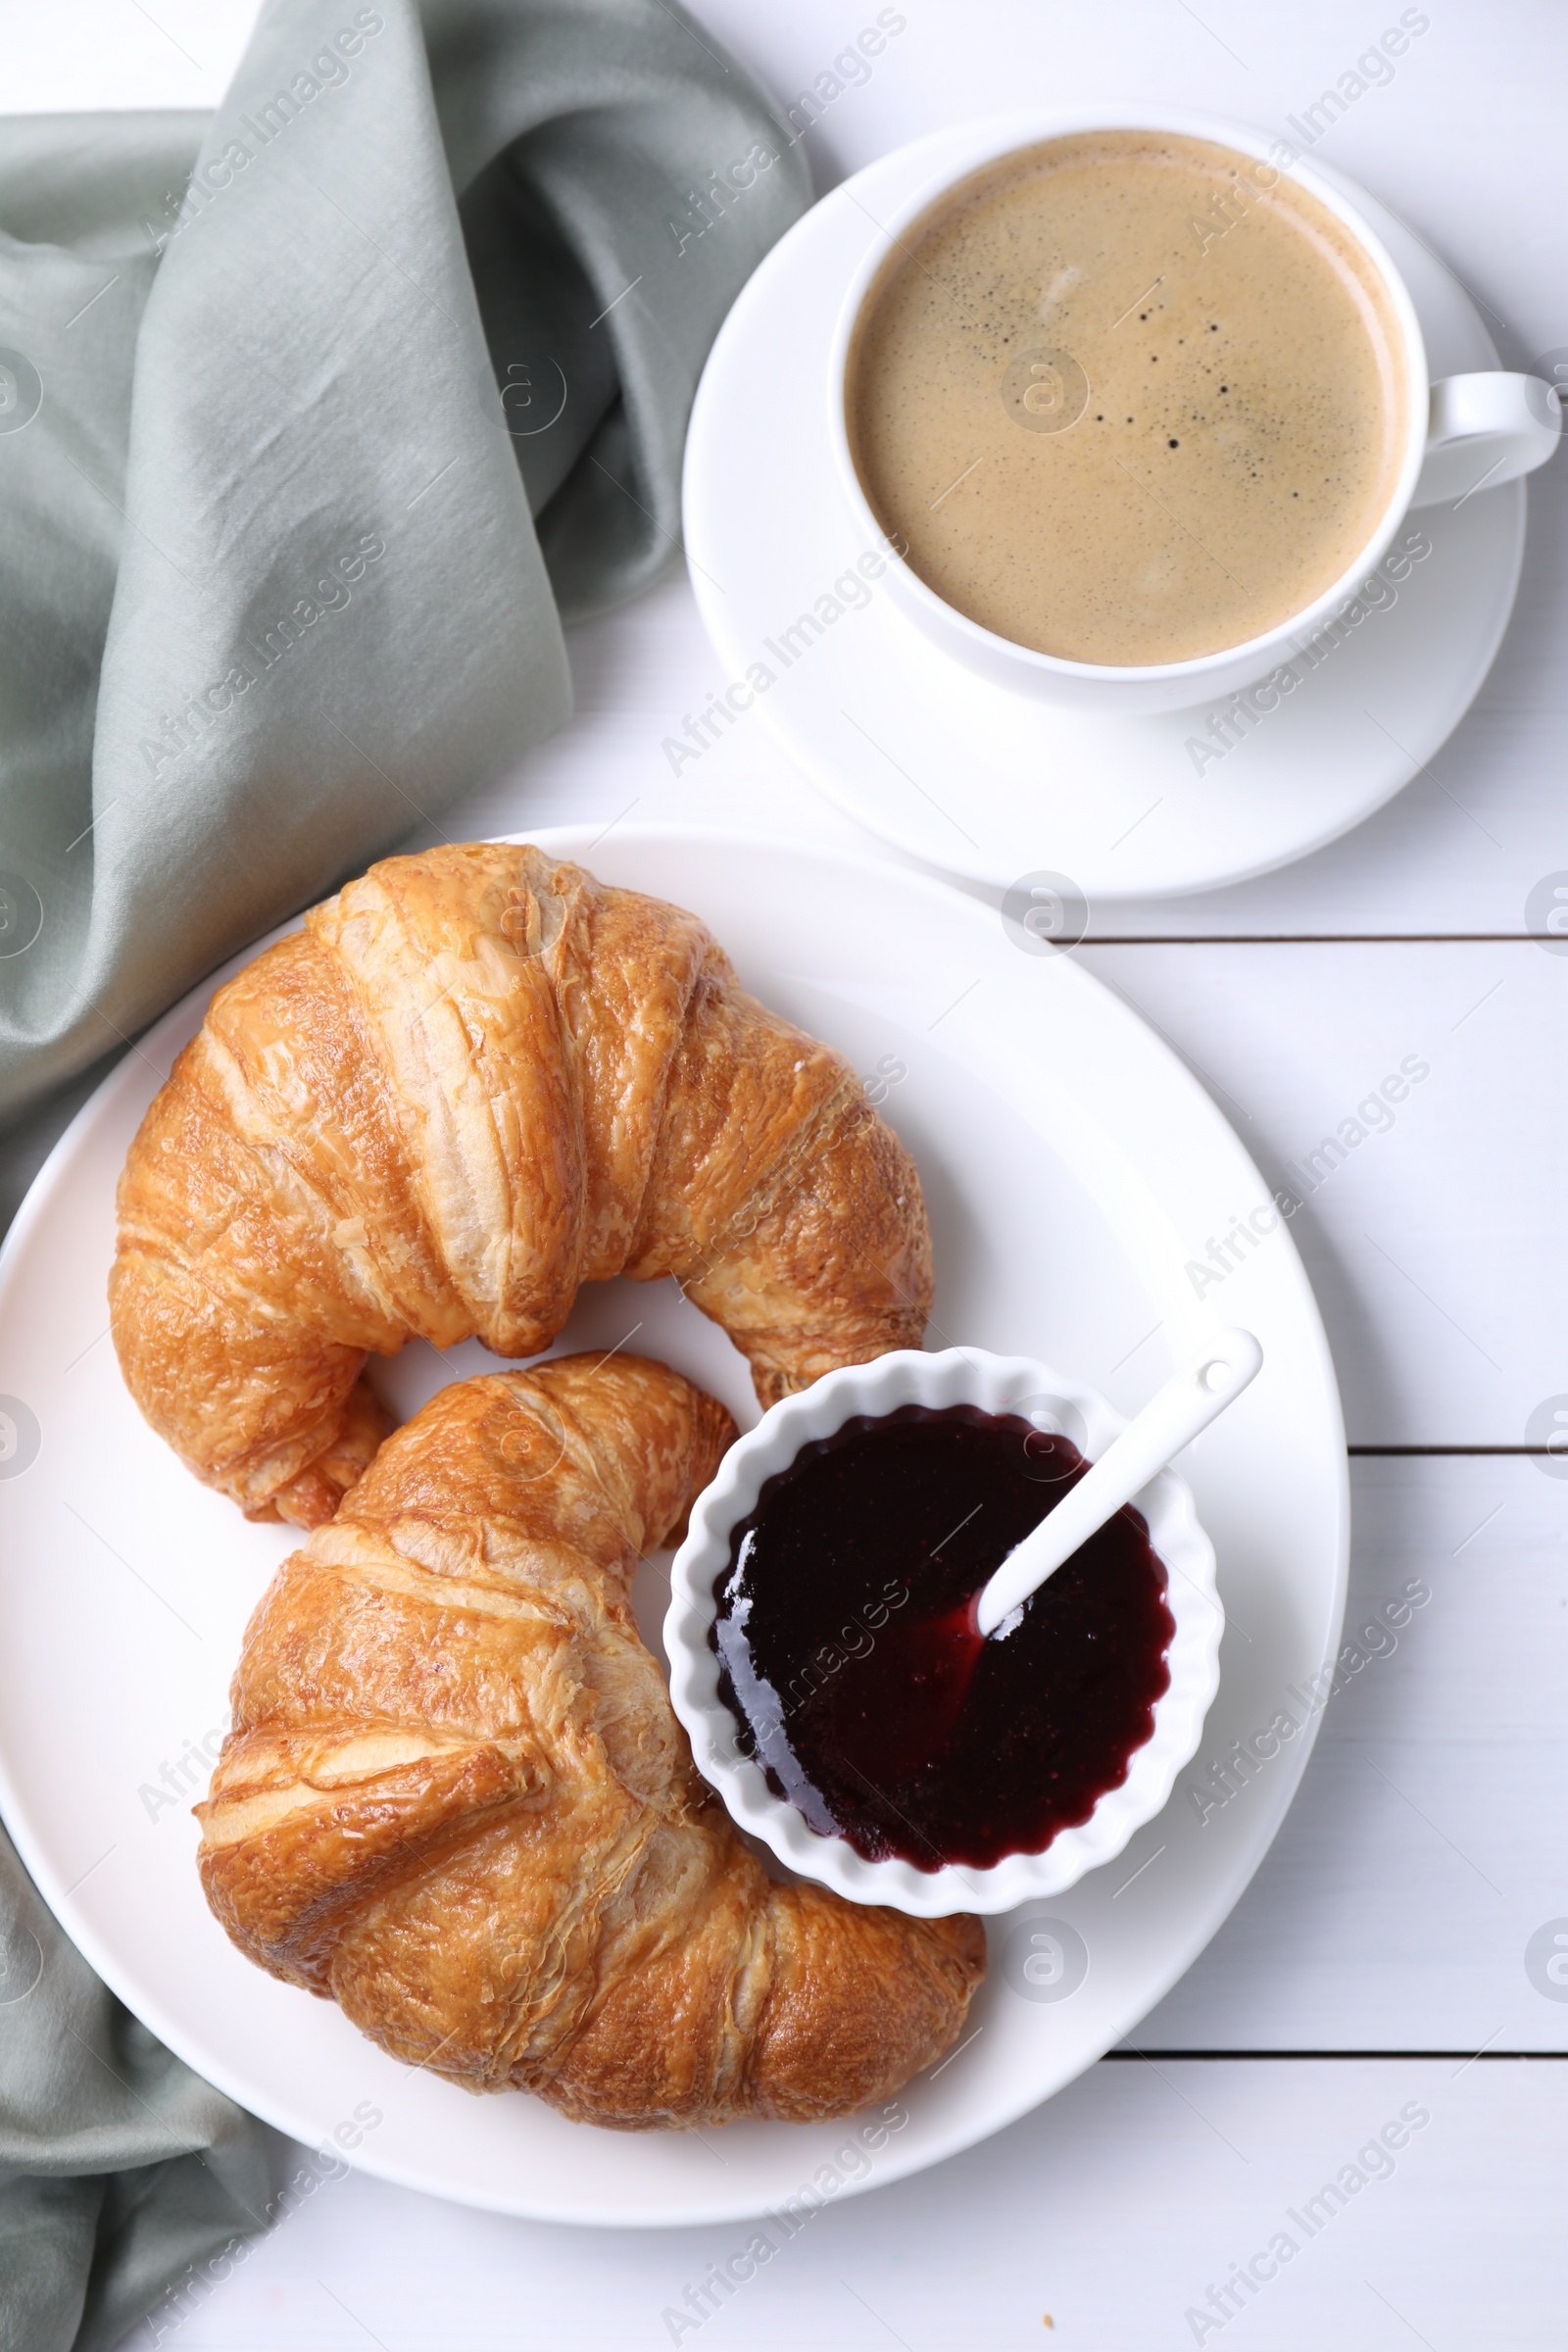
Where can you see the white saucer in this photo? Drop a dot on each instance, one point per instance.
(1072, 1166)
(991, 785)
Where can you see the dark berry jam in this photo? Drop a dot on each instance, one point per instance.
(851, 1665)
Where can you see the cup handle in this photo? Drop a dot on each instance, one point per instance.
(1483, 430)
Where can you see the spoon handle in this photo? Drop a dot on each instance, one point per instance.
(1176, 1415)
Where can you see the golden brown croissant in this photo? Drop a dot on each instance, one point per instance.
(456, 1797)
(474, 1080)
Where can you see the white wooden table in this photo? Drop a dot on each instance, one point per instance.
(1378, 1964)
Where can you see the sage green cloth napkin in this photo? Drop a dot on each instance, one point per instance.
(120, 2170)
(283, 573)
(280, 572)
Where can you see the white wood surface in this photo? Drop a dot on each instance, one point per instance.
(1433, 1246)
(1428, 1841)
(1428, 1844)
(1114, 2210)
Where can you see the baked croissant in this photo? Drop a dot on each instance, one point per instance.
(456, 1797)
(476, 1079)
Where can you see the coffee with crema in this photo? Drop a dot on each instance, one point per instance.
(1125, 402)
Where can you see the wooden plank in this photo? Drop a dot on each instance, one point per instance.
(1433, 1240)
(1408, 1900)
(92, 56)
(1105, 2220)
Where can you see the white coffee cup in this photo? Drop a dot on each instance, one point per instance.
(1474, 432)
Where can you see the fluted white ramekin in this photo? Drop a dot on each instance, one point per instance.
(996, 1384)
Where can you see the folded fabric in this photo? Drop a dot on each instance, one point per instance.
(120, 2170)
(282, 569)
(317, 416)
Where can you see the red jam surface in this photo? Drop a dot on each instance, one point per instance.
(850, 1663)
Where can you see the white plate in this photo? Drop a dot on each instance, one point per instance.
(993, 785)
(1072, 1168)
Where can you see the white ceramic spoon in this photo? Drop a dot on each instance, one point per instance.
(1186, 1406)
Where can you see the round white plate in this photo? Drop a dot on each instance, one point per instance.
(993, 785)
(1072, 1166)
